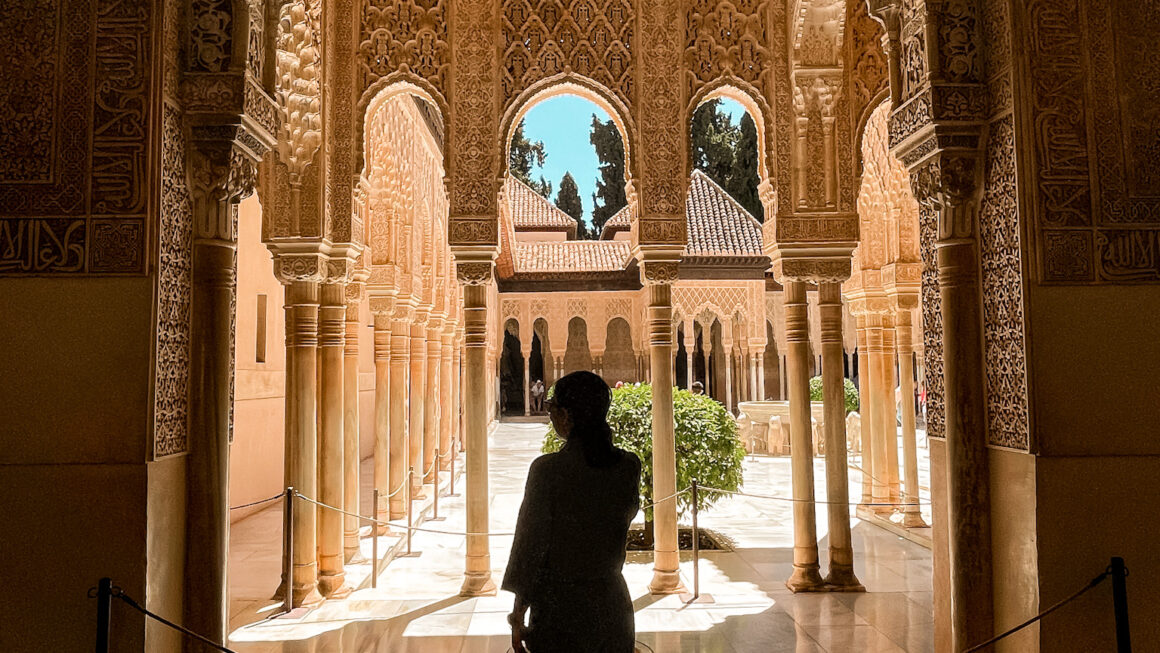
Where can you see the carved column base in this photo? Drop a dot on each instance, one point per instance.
(842, 579)
(666, 581)
(806, 577)
(477, 584)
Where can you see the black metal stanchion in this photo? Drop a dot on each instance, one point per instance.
(696, 596)
(288, 551)
(374, 539)
(104, 598)
(1120, 605)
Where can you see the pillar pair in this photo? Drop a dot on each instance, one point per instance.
(806, 575)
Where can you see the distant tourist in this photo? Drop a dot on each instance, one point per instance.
(569, 548)
(698, 388)
(538, 396)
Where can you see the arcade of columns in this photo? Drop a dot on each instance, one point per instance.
(304, 86)
(381, 200)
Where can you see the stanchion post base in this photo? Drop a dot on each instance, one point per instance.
(687, 598)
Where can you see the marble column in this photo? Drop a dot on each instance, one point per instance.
(690, 348)
(865, 413)
(350, 425)
(382, 447)
(331, 341)
(967, 466)
(729, 377)
(431, 412)
(904, 330)
(400, 440)
(666, 568)
(477, 574)
(841, 576)
(891, 411)
(211, 376)
(783, 391)
(759, 370)
(879, 402)
(806, 576)
(447, 408)
(753, 373)
(416, 398)
(527, 383)
(457, 393)
(302, 298)
(706, 351)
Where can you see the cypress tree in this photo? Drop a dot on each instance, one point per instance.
(568, 201)
(609, 196)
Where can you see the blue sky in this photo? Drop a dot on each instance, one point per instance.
(563, 123)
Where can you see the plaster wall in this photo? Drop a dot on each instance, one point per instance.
(74, 378)
(256, 455)
(1014, 558)
(940, 546)
(1095, 409)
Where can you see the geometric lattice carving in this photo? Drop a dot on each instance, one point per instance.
(75, 136)
(591, 38)
(1092, 71)
(1002, 286)
(404, 35)
(171, 375)
(932, 329)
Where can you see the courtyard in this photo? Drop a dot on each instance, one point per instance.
(416, 605)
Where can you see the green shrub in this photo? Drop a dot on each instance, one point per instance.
(848, 386)
(707, 446)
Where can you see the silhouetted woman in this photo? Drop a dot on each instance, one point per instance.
(569, 547)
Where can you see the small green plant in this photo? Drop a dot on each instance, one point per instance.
(847, 385)
(707, 445)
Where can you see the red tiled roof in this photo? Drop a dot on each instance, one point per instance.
(718, 226)
(531, 211)
(620, 221)
(572, 256)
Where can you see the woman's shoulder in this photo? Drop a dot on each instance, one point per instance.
(628, 459)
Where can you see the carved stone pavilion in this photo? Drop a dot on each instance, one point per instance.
(245, 244)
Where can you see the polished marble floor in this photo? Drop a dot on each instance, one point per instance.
(415, 606)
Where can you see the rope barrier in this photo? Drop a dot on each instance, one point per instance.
(397, 490)
(116, 592)
(851, 465)
(390, 524)
(707, 488)
(1092, 583)
(668, 498)
(255, 503)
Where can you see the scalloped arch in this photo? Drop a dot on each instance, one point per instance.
(745, 94)
(384, 89)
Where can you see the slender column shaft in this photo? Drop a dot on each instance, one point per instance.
(382, 455)
(303, 298)
(888, 362)
(477, 577)
(447, 409)
(968, 474)
(806, 576)
(878, 403)
(841, 574)
(865, 414)
(211, 406)
(729, 379)
(432, 412)
(753, 368)
(458, 394)
(350, 433)
(416, 398)
(527, 384)
(399, 446)
(666, 569)
(690, 377)
(759, 372)
(912, 517)
(331, 337)
(783, 391)
(708, 373)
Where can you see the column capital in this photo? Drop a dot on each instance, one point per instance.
(474, 265)
(381, 304)
(811, 269)
(291, 266)
(659, 264)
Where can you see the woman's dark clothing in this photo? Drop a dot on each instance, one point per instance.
(569, 550)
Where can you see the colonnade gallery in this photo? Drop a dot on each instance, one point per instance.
(266, 262)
